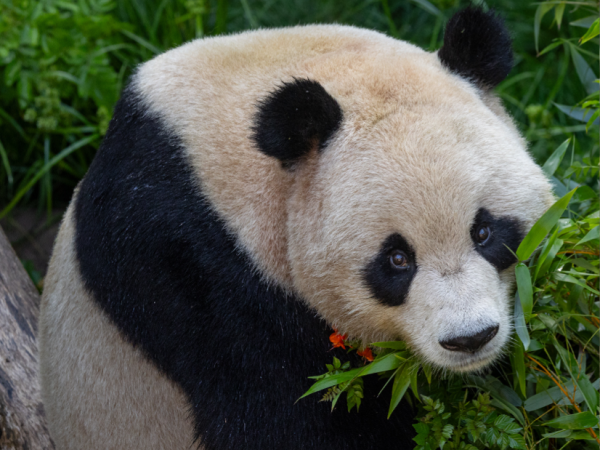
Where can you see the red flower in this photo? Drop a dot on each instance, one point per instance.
(366, 353)
(337, 339)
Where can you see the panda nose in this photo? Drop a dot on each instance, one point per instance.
(470, 344)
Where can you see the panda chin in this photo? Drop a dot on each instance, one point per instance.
(471, 363)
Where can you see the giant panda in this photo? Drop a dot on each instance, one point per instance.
(257, 189)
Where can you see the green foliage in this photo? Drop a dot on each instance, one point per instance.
(470, 425)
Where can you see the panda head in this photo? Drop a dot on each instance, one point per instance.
(410, 193)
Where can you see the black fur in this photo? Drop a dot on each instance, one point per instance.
(160, 263)
(294, 119)
(505, 232)
(477, 46)
(387, 284)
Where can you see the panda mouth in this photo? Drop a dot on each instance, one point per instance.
(472, 362)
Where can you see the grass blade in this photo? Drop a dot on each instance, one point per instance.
(63, 154)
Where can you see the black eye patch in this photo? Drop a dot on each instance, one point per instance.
(504, 232)
(389, 283)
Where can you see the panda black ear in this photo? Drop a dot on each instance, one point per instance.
(295, 118)
(477, 46)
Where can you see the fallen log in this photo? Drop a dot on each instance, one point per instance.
(22, 420)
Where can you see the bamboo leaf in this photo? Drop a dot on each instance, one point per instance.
(401, 383)
(592, 32)
(518, 359)
(556, 395)
(586, 22)
(569, 279)
(594, 233)
(537, 21)
(525, 289)
(520, 324)
(396, 345)
(555, 159)
(388, 362)
(578, 421)
(583, 115)
(580, 380)
(584, 71)
(542, 227)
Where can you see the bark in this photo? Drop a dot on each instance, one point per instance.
(22, 420)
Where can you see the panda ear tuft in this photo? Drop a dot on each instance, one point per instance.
(477, 46)
(295, 118)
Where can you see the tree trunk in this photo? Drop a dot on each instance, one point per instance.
(22, 420)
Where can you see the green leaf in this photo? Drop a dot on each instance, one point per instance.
(427, 371)
(518, 358)
(591, 33)
(388, 362)
(541, 228)
(554, 160)
(584, 72)
(555, 395)
(577, 421)
(559, 434)
(551, 47)
(558, 14)
(502, 395)
(546, 250)
(579, 379)
(594, 233)
(569, 279)
(539, 14)
(396, 345)
(583, 115)
(520, 324)
(525, 289)
(586, 22)
(401, 383)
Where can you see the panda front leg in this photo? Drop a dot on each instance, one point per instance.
(99, 391)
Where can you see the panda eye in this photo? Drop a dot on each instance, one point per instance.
(482, 234)
(399, 260)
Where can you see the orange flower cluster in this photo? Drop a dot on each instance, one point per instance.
(366, 353)
(339, 340)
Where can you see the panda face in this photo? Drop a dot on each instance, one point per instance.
(406, 229)
(377, 181)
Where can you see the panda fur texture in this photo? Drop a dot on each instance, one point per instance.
(253, 190)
